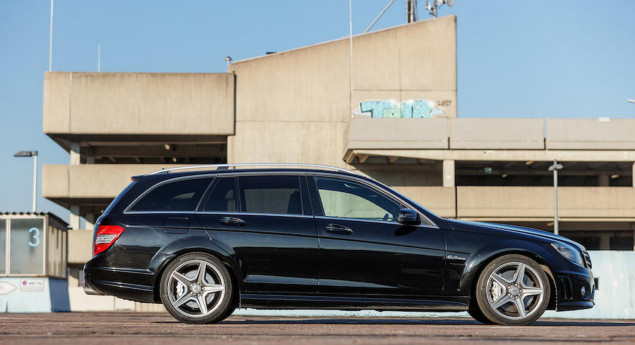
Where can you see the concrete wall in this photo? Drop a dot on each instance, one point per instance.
(299, 102)
(138, 103)
(537, 202)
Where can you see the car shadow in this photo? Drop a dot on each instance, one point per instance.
(407, 321)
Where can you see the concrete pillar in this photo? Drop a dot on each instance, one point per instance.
(605, 241)
(90, 155)
(90, 220)
(74, 218)
(448, 173)
(603, 180)
(75, 155)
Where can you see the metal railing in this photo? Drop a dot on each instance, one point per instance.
(251, 165)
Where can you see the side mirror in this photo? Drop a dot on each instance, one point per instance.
(408, 217)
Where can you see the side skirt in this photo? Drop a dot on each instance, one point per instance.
(265, 301)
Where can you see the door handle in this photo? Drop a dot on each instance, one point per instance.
(232, 221)
(338, 229)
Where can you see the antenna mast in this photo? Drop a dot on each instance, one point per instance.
(411, 11)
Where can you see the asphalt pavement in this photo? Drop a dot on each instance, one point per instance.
(160, 328)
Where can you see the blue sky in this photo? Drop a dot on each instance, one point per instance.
(538, 58)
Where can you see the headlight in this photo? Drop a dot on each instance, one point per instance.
(571, 253)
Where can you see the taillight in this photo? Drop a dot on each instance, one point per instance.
(106, 236)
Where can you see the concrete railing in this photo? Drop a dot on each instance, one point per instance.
(491, 134)
(590, 134)
(502, 134)
(533, 202)
(440, 200)
(91, 181)
(387, 133)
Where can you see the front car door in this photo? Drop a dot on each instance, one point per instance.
(364, 251)
(266, 221)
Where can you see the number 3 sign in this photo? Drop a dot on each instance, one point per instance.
(35, 240)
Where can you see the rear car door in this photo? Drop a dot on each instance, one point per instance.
(266, 221)
(164, 214)
(365, 251)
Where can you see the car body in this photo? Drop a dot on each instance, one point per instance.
(205, 242)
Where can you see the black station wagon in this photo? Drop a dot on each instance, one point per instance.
(205, 242)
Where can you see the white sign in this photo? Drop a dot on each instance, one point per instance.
(31, 285)
(6, 288)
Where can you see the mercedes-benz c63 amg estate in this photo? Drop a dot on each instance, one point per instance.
(204, 242)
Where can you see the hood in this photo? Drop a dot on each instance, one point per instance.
(489, 227)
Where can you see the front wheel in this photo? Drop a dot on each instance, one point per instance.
(513, 290)
(197, 288)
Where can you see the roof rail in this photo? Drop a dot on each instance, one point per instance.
(242, 165)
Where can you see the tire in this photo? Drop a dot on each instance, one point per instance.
(512, 290)
(197, 288)
(477, 315)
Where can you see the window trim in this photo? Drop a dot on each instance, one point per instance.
(254, 214)
(311, 189)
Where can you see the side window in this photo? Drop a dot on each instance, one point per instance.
(181, 195)
(223, 197)
(347, 199)
(270, 194)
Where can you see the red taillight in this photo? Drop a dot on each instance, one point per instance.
(106, 236)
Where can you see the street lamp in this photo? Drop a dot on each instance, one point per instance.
(34, 155)
(555, 167)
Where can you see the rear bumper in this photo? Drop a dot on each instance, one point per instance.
(89, 290)
(127, 284)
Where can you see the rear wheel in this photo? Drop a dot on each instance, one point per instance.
(197, 288)
(477, 315)
(513, 290)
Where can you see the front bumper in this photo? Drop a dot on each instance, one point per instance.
(575, 290)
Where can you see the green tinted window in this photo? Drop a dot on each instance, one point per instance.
(347, 199)
(27, 246)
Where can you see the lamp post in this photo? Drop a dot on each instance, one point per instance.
(34, 155)
(555, 167)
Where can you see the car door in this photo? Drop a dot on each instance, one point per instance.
(364, 251)
(162, 215)
(266, 221)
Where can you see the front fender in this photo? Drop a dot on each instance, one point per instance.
(476, 262)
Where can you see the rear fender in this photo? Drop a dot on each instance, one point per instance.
(190, 245)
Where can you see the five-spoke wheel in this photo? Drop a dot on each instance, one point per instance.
(197, 288)
(513, 290)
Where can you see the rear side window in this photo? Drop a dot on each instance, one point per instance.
(181, 195)
(270, 194)
(223, 197)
